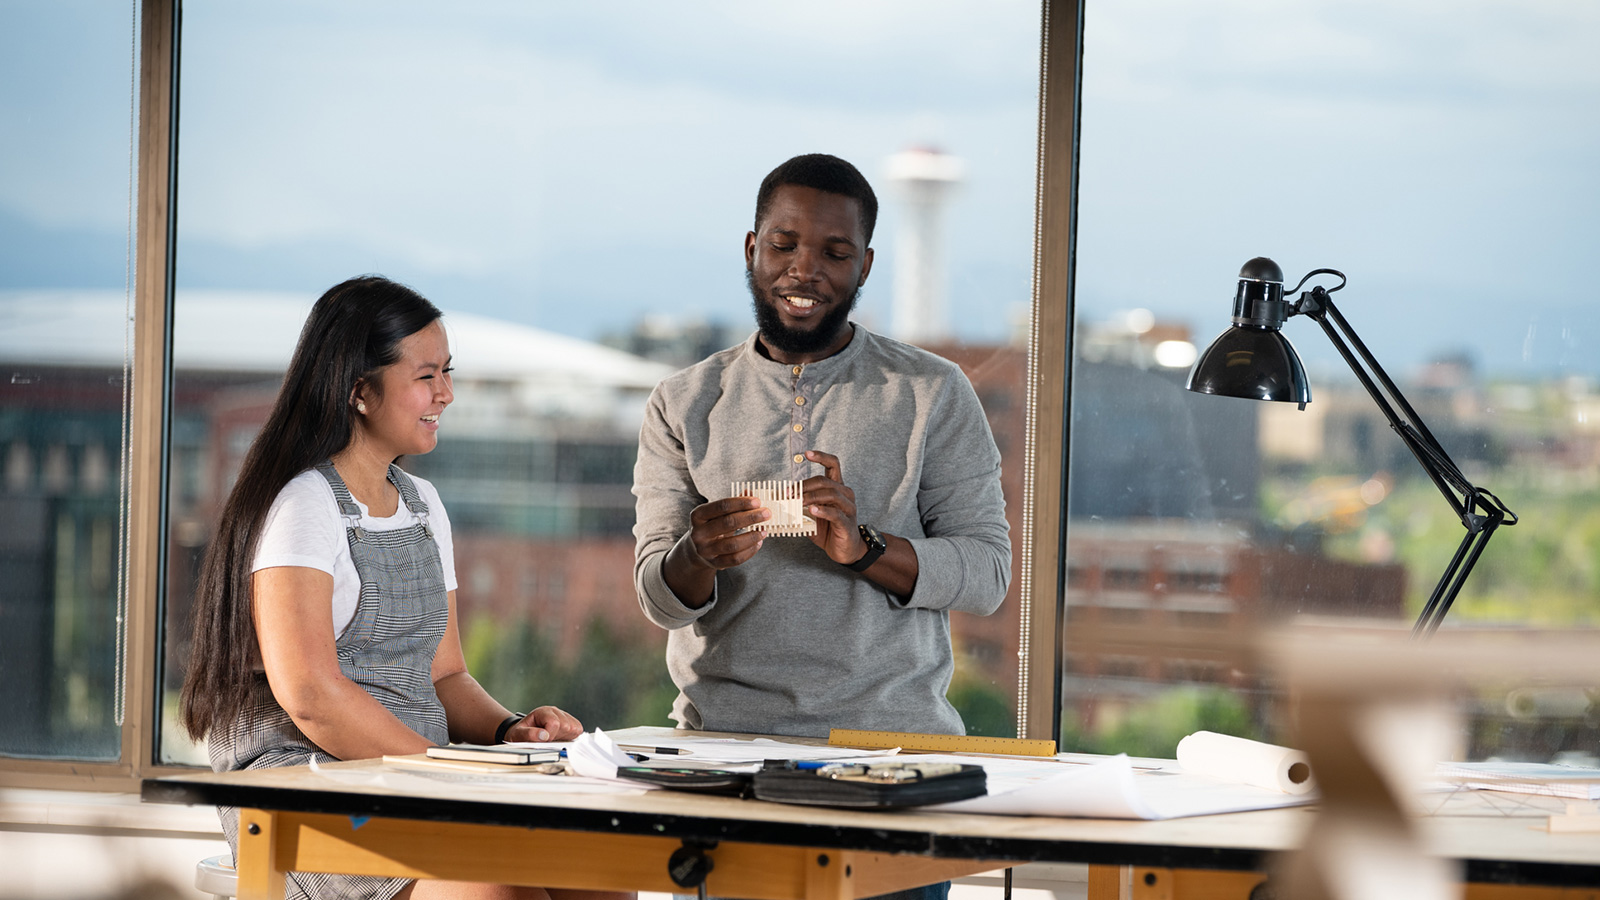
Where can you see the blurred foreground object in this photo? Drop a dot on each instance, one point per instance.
(1373, 712)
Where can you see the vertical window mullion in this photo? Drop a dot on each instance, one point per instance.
(152, 373)
(1044, 529)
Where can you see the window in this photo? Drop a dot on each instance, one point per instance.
(573, 189)
(1357, 166)
(976, 100)
(1375, 141)
(66, 244)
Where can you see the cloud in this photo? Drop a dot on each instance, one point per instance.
(1439, 153)
(534, 140)
(572, 163)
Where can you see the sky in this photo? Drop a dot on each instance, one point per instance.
(576, 167)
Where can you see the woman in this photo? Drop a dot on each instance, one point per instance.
(325, 620)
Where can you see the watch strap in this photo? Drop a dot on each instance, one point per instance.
(506, 725)
(875, 549)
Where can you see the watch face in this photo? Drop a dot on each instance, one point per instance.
(872, 537)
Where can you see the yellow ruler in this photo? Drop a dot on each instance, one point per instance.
(938, 743)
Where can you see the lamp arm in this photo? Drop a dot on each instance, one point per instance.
(1479, 511)
(1446, 475)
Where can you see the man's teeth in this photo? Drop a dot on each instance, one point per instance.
(802, 302)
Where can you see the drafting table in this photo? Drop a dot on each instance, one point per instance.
(293, 819)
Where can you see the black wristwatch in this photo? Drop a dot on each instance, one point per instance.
(875, 548)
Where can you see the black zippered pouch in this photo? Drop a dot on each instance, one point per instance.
(880, 785)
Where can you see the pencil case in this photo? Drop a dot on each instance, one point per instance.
(884, 785)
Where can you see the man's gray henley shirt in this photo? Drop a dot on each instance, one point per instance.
(792, 642)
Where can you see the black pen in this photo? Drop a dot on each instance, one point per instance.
(659, 751)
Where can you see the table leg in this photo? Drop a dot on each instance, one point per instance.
(260, 877)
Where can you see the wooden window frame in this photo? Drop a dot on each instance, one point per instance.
(1044, 524)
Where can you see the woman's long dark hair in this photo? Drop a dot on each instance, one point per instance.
(354, 330)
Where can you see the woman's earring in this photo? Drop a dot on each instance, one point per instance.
(361, 407)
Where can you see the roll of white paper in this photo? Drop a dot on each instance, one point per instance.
(1246, 761)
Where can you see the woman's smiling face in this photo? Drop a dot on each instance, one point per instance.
(402, 417)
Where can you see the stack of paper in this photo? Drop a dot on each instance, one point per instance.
(1546, 779)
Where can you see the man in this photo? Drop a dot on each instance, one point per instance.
(850, 627)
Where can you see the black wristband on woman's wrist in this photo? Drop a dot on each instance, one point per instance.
(500, 733)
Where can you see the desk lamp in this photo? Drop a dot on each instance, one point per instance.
(1254, 360)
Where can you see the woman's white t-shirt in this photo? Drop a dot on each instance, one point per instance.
(304, 528)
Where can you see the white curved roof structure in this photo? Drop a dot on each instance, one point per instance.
(252, 331)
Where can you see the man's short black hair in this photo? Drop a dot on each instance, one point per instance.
(824, 173)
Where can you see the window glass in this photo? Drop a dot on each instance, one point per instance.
(573, 186)
(1444, 162)
(66, 95)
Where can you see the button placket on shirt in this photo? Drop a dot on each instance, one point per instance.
(804, 392)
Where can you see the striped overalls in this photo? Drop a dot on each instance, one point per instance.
(387, 648)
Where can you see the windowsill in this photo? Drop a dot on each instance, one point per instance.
(23, 809)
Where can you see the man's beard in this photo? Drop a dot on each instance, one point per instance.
(793, 340)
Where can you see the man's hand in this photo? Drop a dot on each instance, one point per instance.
(712, 543)
(833, 505)
(714, 530)
(547, 723)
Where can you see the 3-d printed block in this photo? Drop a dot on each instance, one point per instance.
(786, 503)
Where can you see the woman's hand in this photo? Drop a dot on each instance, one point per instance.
(547, 723)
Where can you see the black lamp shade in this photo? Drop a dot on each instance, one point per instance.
(1253, 363)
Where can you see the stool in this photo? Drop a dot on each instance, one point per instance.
(217, 877)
